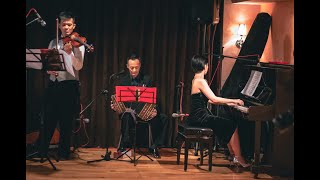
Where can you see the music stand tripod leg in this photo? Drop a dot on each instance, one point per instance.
(41, 150)
(135, 160)
(134, 144)
(125, 153)
(144, 154)
(43, 135)
(53, 166)
(49, 60)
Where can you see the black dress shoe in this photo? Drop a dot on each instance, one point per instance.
(155, 152)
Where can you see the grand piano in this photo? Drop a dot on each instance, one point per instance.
(267, 91)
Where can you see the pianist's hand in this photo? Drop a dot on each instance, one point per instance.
(236, 102)
(232, 104)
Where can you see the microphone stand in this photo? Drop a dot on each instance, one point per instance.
(36, 19)
(243, 60)
(106, 157)
(102, 92)
(32, 9)
(221, 56)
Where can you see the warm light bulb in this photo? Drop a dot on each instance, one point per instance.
(242, 30)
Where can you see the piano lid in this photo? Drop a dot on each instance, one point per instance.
(254, 45)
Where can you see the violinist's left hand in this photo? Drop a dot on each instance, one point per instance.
(67, 47)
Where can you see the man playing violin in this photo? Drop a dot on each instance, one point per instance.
(63, 91)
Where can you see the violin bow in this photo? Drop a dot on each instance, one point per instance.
(57, 31)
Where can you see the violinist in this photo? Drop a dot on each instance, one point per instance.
(63, 91)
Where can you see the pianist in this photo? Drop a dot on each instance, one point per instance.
(225, 129)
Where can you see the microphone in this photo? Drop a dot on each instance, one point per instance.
(104, 92)
(116, 75)
(119, 73)
(86, 120)
(40, 20)
(176, 115)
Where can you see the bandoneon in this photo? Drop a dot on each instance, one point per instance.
(119, 106)
(142, 110)
(146, 111)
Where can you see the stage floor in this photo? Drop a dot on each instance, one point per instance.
(163, 168)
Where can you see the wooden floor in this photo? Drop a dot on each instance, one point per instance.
(164, 168)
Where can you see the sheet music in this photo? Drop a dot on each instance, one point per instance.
(252, 83)
(33, 59)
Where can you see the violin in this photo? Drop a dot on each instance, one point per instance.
(77, 41)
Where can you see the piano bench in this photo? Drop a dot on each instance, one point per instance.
(188, 135)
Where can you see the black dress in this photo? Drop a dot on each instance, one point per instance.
(200, 117)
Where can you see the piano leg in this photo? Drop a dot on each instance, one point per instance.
(255, 167)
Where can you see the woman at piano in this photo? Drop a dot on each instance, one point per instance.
(225, 129)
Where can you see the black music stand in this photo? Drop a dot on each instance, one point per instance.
(45, 60)
(135, 94)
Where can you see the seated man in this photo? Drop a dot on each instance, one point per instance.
(159, 121)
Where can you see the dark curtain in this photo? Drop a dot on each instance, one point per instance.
(161, 31)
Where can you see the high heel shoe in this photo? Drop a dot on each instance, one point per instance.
(230, 157)
(239, 161)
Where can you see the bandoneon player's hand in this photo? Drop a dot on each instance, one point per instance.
(55, 73)
(112, 106)
(153, 114)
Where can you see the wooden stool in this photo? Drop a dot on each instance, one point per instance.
(188, 135)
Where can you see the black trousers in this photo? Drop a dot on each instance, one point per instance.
(159, 128)
(62, 107)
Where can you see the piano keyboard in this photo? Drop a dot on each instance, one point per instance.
(243, 109)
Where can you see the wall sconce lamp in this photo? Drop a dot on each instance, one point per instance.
(241, 32)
